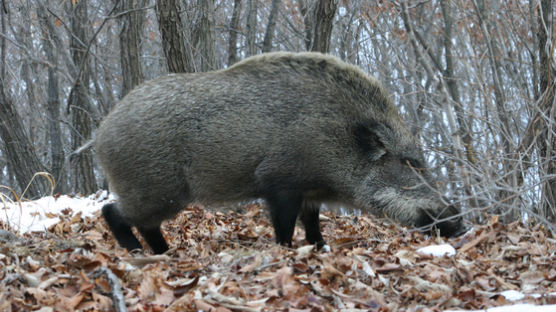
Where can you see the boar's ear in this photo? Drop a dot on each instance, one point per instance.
(367, 137)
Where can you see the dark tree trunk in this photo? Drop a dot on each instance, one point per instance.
(79, 106)
(173, 41)
(28, 75)
(130, 42)
(20, 153)
(53, 105)
(21, 156)
(252, 27)
(206, 35)
(547, 126)
(323, 22)
(234, 29)
(269, 34)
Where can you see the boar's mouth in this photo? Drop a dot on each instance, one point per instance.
(448, 227)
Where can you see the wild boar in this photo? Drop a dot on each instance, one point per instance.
(295, 129)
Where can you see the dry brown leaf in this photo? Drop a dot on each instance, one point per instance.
(253, 265)
(204, 306)
(531, 277)
(260, 274)
(284, 282)
(331, 274)
(147, 288)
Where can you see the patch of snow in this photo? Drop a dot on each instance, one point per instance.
(515, 308)
(38, 215)
(512, 295)
(438, 250)
(536, 296)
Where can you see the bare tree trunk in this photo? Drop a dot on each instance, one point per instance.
(307, 13)
(173, 40)
(234, 29)
(547, 101)
(252, 27)
(28, 75)
(349, 37)
(20, 153)
(53, 105)
(322, 30)
(21, 156)
(505, 194)
(130, 42)
(453, 90)
(79, 106)
(269, 34)
(206, 35)
(428, 63)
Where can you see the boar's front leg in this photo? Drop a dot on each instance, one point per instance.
(284, 207)
(310, 218)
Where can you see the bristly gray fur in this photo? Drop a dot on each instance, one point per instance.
(289, 123)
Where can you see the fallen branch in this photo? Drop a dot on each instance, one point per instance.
(474, 242)
(115, 288)
(142, 261)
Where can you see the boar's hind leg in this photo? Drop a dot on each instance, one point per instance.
(310, 218)
(154, 238)
(119, 227)
(284, 207)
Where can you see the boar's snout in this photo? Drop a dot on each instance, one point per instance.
(447, 222)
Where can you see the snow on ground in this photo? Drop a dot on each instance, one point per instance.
(438, 250)
(515, 308)
(38, 215)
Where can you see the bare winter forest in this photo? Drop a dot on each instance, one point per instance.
(473, 79)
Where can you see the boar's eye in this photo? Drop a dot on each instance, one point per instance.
(412, 162)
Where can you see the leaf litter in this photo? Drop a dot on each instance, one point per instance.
(228, 261)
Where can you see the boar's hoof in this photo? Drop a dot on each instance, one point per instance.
(320, 244)
(125, 237)
(154, 238)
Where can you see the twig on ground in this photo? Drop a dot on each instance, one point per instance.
(115, 288)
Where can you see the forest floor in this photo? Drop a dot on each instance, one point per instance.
(228, 261)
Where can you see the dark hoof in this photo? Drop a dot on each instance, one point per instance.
(320, 244)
